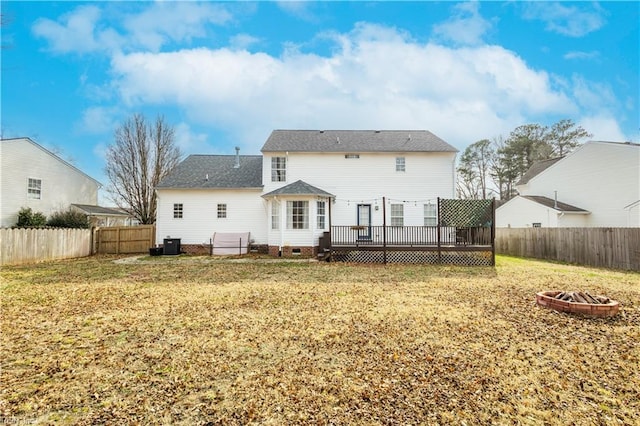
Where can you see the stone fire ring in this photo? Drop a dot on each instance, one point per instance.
(547, 299)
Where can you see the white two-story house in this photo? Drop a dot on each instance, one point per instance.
(34, 177)
(304, 182)
(597, 185)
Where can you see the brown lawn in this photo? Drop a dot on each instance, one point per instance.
(195, 341)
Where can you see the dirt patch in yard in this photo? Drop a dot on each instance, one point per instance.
(93, 341)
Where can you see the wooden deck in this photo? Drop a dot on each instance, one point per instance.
(438, 240)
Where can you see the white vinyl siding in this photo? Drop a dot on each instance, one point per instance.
(397, 215)
(60, 183)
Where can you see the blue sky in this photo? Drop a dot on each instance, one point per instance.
(227, 74)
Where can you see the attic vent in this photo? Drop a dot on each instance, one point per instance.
(377, 131)
(352, 156)
(321, 131)
(337, 139)
(409, 138)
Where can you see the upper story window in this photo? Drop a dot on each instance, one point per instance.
(297, 215)
(400, 164)
(397, 214)
(321, 214)
(430, 216)
(177, 211)
(222, 211)
(278, 169)
(34, 189)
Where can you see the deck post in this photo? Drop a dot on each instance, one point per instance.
(438, 229)
(330, 232)
(384, 230)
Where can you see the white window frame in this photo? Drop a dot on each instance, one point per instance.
(321, 214)
(278, 169)
(297, 214)
(401, 164)
(178, 210)
(34, 189)
(430, 213)
(275, 214)
(222, 210)
(396, 215)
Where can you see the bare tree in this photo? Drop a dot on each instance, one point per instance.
(140, 156)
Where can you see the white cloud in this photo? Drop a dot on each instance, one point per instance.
(173, 21)
(582, 55)
(74, 32)
(189, 141)
(242, 41)
(98, 120)
(604, 128)
(80, 31)
(465, 26)
(377, 78)
(575, 20)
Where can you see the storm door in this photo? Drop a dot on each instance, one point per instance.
(364, 222)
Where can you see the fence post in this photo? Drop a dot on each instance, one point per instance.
(438, 230)
(493, 232)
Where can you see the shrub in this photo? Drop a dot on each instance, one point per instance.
(69, 219)
(27, 218)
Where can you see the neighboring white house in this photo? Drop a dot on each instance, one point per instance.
(597, 185)
(31, 176)
(305, 181)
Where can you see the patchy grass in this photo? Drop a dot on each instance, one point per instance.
(191, 341)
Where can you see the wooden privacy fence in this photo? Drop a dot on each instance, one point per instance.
(29, 245)
(617, 248)
(124, 239)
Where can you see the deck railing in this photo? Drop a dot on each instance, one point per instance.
(408, 236)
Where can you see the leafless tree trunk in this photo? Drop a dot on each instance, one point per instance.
(139, 158)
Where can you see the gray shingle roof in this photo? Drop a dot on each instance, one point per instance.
(299, 188)
(215, 171)
(100, 211)
(536, 169)
(548, 202)
(355, 141)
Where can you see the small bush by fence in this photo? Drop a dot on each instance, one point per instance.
(617, 248)
(29, 245)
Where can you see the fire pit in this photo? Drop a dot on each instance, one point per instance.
(577, 302)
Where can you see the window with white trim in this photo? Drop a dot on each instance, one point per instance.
(297, 215)
(275, 215)
(34, 189)
(430, 215)
(222, 211)
(400, 164)
(397, 215)
(278, 169)
(321, 214)
(177, 211)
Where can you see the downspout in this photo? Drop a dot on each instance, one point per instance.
(453, 172)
